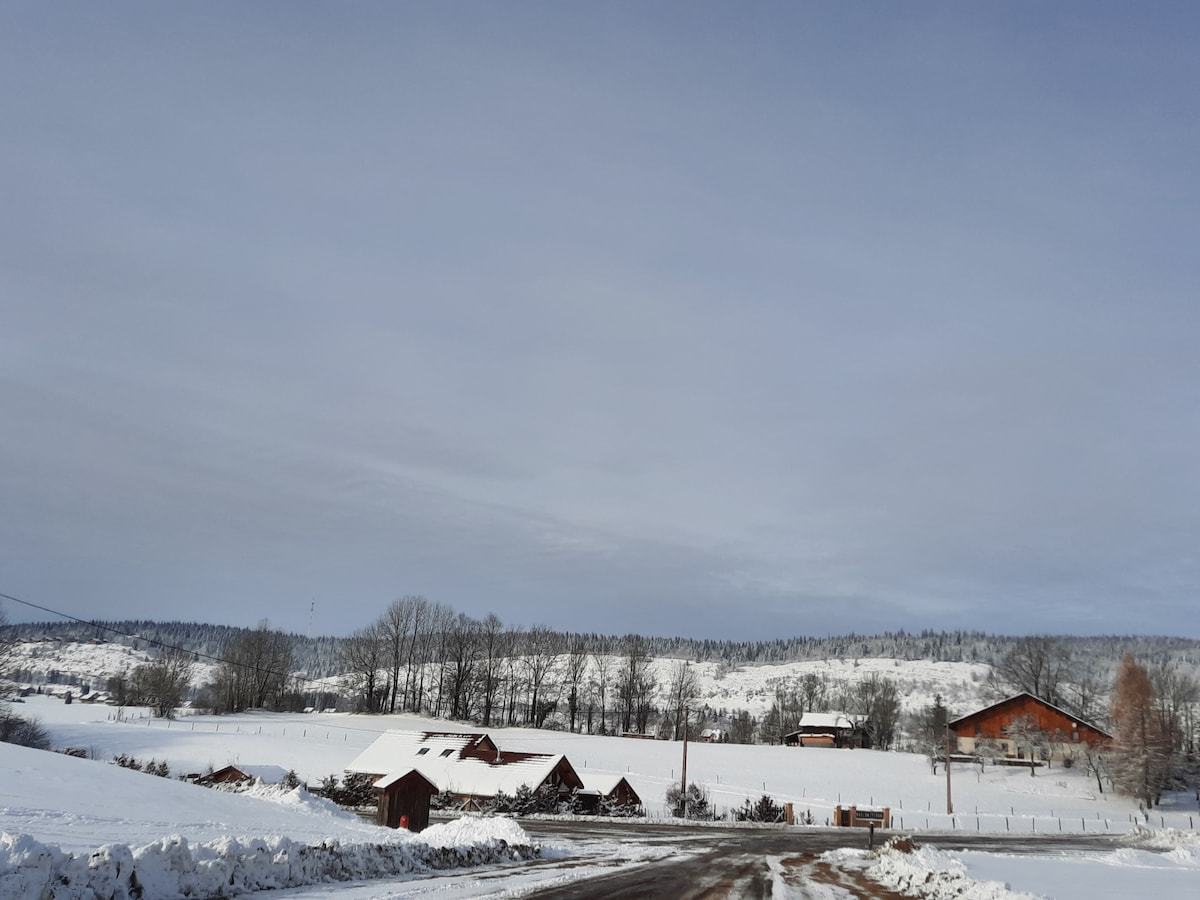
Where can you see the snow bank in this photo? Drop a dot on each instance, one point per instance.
(296, 798)
(924, 872)
(1188, 842)
(173, 868)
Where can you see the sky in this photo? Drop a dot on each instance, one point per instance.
(708, 319)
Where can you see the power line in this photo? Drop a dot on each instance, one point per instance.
(195, 654)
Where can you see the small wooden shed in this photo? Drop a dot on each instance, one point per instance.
(606, 787)
(404, 797)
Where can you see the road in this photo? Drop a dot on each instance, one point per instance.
(757, 863)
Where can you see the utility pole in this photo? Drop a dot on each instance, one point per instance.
(949, 802)
(683, 796)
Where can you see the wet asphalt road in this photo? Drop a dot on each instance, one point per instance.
(745, 863)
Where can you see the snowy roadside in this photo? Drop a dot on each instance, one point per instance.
(174, 868)
(1165, 863)
(78, 829)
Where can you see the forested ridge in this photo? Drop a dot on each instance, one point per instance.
(320, 656)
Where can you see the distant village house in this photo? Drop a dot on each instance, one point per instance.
(828, 729)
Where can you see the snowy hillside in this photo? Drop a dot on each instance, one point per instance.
(57, 811)
(77, 829)
(720, 685)
(751, 687)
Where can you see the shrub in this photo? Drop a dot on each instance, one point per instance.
(23, 732)
(765, 810)
(697, 805)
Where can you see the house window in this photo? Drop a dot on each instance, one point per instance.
(447, 751)
(422, 751)
(1075, 736)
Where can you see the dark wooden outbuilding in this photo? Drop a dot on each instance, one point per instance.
(613, 789)
(404, 796)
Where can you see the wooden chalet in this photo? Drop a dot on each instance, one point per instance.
(468, 765)
(832, 729)
(1065, 733)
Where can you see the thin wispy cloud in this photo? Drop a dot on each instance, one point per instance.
(700, 319)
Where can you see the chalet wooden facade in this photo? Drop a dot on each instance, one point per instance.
(469, 765)
(1008, 726)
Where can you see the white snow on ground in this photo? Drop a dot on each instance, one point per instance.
(85, 819)
(88, 829)
(971, 875)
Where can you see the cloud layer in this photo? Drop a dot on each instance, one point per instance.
(678, 320)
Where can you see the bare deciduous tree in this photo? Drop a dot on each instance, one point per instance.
(576, 667)
(162, 683)
(637, 685)
(1039, 665)
(364, 656)
(602, 667)
(876, 701)
(255, 669)
(682, 691)
(1026, 735)
(540, 652)
(395, 626)
(493, 649)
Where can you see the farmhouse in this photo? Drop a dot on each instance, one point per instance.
(1016, 724)
(831, 729)
(470, 766)
(239, 773)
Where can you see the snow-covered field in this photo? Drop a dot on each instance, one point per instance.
(52, 805)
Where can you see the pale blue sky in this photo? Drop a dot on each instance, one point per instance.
(725, 320)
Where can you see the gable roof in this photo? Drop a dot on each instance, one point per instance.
(464, 763)
(602, 782)
(412, 774)
(266, 774)
(831, 720)
(1026, 695)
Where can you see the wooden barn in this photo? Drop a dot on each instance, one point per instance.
(469, 765)
(1008, 724)
(833, 729)
(404, 800)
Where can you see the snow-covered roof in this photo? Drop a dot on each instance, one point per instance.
(1023, 695)
(461, 763)
(388, 780)
(827, 720)
(265, 774)
(603, 783)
